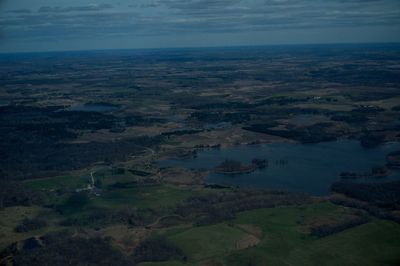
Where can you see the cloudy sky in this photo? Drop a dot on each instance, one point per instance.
(47, 25)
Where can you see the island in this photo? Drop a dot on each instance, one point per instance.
(232, 167)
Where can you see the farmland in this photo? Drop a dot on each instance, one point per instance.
(192, 157)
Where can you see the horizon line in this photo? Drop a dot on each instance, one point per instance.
(197, 47)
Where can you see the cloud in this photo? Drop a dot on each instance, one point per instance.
(20, 11)
(174, 17)
(92, 7)
(198, 4)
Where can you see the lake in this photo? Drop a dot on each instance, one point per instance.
(310, 168)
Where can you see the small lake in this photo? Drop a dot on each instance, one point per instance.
(310, 168)
(94, 107)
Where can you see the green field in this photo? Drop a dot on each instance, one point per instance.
(284, 242)
(79, 181)
(283, 238)
(157, 198)
(58, 182)
(208, 241)
(160, 196)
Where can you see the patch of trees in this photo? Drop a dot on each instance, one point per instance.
(223, 106)
(219, 117)
(139, 120)
(283, 112)
(236, 167)
(202, 210)
(102, 104)
(182, 153)
(142, 182)
(28, 124)
(233, 167)
(139, 173)
(31, 243)
(32, 141)
(324, 230)
(147, 141)
(30, 225)
(396, 108)
(157, 249)
(379, 171)
(85, 120)
(372, 96)
(13, 193)
(376, 172)
(30, 160)
(216, 186)
(181, 132)
(370, 208)
(214, 208)
(312, 134)
(351, 118)
(261, 128)
(367, 110)
(259, 163)
(393, 159)
(49, 122)
(100, 218)
(44, 159)
(121, 185)
(384, 195)
(283, 100)
(62, 249)
(372, 140)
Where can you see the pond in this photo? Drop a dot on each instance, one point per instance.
(310, 168)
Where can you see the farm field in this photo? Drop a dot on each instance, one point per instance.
(281, 239)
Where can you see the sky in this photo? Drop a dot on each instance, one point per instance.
(51, 25)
